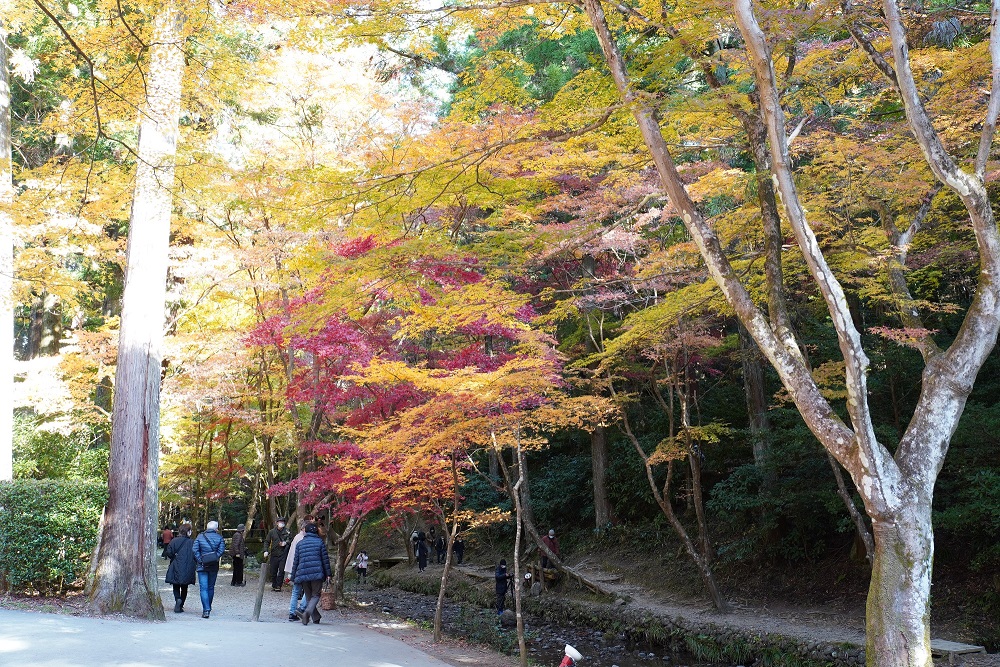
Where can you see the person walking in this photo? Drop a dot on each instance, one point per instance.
(459, 549)
(181, 571)
(276, 546)
(165, 538)
(208, 548)
(298, 603)
(502, 582)
(238, 551)
(552, 542)
(363, 566)
(421, 551)
(441, 548)
(310, 568)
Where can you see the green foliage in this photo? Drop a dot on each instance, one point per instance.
(560, 494)
(40, 453)
(47, 532)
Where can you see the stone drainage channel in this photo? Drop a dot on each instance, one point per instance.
(545, 641)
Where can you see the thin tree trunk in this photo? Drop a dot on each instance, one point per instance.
(344, 543)
(536, 537)
(6, 271)
(456, 500)
(254, 499)
(859, 521)
(599, 465)
(272, 503)
(519, 511)
(125, 579)
(700, 560)
(756, 395)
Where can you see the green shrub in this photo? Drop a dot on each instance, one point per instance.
(47, 532)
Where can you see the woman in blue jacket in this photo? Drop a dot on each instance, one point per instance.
(310, 569)
(208, 549)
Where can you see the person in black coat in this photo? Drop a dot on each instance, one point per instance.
(181, 572)
(441, 548)
(310, 568)
(238, 551)
(422, 551)
(502, 581)
(459, 549)
(276, 546)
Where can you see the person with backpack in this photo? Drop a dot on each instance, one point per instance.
(208, 549)
(310, 569)
(181, 571)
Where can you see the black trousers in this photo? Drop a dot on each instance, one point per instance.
(237, 571)
(501, 598)
(277, 570)
(181, 592)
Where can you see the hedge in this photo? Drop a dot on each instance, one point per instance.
(47, 532)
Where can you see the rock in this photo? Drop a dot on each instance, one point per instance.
(619, 601)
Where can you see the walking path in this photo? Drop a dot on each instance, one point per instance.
(225, 640)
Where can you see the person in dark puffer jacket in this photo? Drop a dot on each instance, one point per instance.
(310, 569)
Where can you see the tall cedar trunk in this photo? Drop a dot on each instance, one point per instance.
(125, 577)
(6, 273)
(599, 466)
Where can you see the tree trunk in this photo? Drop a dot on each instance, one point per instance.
(859, 521)
(899, 596)
(756, 395)
(125, 577)
(254, 499)
(6, 272)
(344, 543)
(456, 500)
(599, 464)
(532, 530)
(519, 504)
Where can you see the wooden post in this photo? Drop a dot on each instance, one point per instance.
(260, 592)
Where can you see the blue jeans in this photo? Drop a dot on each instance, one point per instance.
(296, 596)
(206, 586)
